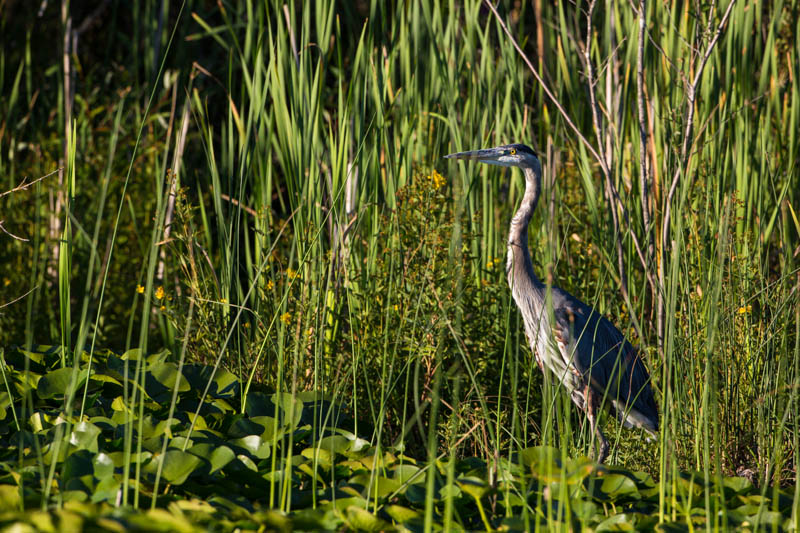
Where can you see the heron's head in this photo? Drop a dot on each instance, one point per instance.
(510, 155)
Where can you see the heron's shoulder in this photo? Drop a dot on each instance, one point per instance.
(579, 314)
(566, 302)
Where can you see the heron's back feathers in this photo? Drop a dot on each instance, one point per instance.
(605, 360)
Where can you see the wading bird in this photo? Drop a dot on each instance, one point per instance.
(588, 355)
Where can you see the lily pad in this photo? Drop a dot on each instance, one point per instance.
(334, 444)
(617, 486)
(177, 465)
(255, 445)
(378, 486)
(401, 514)
(363, 520)
(544, 462)
(103, 466)
(84, 436)
(217, 456)
(57, 382)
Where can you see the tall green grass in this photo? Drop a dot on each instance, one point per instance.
(315, 250)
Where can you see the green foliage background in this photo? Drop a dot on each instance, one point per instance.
(259, 187)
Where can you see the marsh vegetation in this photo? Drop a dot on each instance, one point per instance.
(241, 288)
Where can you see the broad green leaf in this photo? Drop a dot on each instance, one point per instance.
(544, 462)
(343, 503)
(37, 422)
(179, 442)
(74, 494)
(475, 487)
(106, 490)
(753, 499)
(321, 456)
(118, 458)
(198, 421)
(103, 466)
(177, 465)
(154, 427)
(246, 461)
(747, 509)
(103, 378)
(334, 444)
(217, 456)
(57, 382)
(578, 469)
(222, 405)
(119, 405)
(104, 423)
(166, 374)
(584, 509)
(161, 519)
(362, 520)
(10, 499)
(618, 522)
(42, 521)
(690, 483)
(739, 485)
(618, 485)
(36, 357)
(225, 384)
(84, 436)
(407, 473)
(78, 464)
(378, 486)
(5, 402)
(291, 408)
(244, 427)
(132, 355)
(401, 514)
(374, 460)
(72, 516)
(271, 427)
(193, 505)
(275, 520)
(310, 472)
(255, 445)
(416, 493)
(318, 519)
(158, 357)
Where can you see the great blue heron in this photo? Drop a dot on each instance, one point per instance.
(590, 357)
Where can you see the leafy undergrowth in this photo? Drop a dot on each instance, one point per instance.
(274, 462)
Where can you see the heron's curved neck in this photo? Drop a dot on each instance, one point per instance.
(518, 234)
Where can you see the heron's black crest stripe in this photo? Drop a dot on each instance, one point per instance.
(524, 149)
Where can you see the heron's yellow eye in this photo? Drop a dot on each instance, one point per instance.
(513, 151)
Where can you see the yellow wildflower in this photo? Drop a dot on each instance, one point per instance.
(286, 318)
(291, 273)
(438, 180)
(140, 289)
(396, 307)
(163, 308)
(223, 300)
(160, 292)
(745, 309)
(270, 285)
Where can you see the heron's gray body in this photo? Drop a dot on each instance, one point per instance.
(588, 355)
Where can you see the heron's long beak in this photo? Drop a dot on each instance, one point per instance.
(487, 155)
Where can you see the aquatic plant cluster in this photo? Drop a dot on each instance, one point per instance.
(284, 462)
